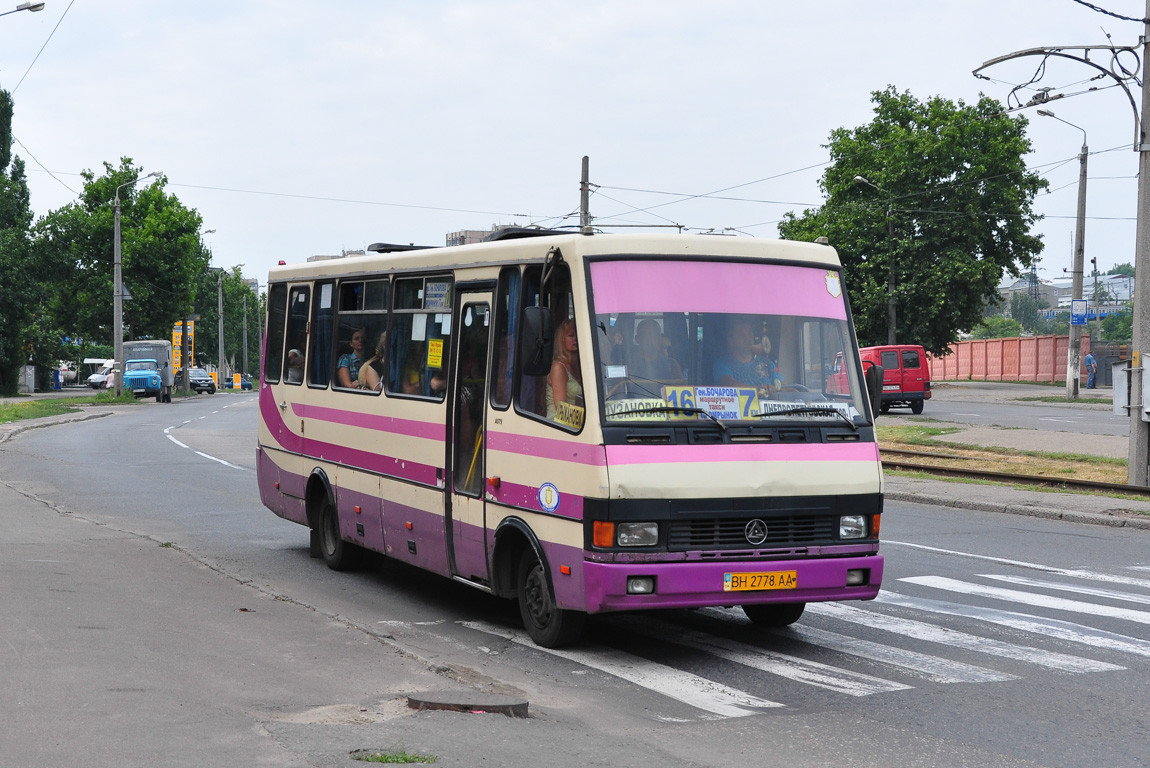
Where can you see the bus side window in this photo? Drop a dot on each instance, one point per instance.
(277, 314)
(321, 337)
(534, 391)
(418, 349)
(506, 334)
(298, 312)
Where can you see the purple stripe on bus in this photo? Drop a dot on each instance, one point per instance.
(547, 448)
(527, 497)
(390, 424)
(672, 286)
(693, 585)
(671, 454)
(351, 457)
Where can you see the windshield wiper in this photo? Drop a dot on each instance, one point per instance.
(672, 409)
(812, 409)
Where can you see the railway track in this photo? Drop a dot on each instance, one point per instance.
(903, 460)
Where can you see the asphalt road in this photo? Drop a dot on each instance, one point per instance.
(998, 640)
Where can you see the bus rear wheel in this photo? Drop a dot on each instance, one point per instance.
(548, 626)
(773, 615)
(339, 555)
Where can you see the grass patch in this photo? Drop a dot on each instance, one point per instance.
(34, 409)
(1055, 465)
(393, 755)
(1056, 399)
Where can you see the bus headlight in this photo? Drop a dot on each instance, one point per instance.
(636, 534)
(852, 527)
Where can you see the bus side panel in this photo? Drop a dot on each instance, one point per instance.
(357, 499)
(272, 480)
(414, 525)
(562, 543)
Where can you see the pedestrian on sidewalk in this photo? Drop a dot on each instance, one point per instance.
(1091, 370)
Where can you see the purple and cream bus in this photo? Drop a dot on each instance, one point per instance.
(584, 423)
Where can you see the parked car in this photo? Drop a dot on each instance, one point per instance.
(199, 380)
(906, 375)
(245, 383)
(102, 378)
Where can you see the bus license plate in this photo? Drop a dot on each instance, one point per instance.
(746, 582)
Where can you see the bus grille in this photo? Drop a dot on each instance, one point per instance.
(728, 534)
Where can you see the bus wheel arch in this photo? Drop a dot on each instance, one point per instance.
(316, 496)
(511, 538)
(522, 559)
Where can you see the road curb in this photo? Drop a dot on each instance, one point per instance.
(10, 430)
(1122, 518)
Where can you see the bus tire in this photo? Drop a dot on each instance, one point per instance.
(774, 615)
(916, 407)
(548, 626)
(339, 555)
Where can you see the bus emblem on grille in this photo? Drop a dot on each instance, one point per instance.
(756, 531)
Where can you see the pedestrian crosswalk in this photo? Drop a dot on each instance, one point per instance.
(988, 627)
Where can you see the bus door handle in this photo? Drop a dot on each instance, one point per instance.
(283, 405)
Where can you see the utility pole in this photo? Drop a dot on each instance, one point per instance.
(890, 282)
(220, 366)
(585, 197)
(245, 334)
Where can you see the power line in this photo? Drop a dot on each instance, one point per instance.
(42, 47)
(1094, 7)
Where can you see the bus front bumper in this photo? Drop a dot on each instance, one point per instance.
(696, 585)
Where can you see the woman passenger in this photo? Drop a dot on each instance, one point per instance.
(371, 372)
(565, 384)
(350, 363)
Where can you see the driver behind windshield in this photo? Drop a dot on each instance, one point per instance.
(742, 365)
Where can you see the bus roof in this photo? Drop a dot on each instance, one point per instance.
(534, 249)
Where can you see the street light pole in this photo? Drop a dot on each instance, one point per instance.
(890, 278)
(1138, 453)
(1074, 353)
(33, 7)
(118, 286)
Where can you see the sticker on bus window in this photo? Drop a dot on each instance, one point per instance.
(569, 415)
(637, 409)
(435, 353)
(548, 497)
(437, 295)
(418, 327)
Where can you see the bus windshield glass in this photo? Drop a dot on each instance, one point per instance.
(724, 341)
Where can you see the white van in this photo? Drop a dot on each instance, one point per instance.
(102, 378)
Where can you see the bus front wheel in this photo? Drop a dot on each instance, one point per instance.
(774, 614)
(548, 626)
(339, 555)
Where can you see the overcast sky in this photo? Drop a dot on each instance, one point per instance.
(301, 128)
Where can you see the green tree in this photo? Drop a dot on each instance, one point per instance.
(1119, 327)
(235, 290)
(950, 211)
(18, 277)
(161, 255)
(997, 328)
(1122, 269)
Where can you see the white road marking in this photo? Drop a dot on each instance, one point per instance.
(1039, 625)
(1106, 594)
(1028, 598)
(922, 631)
(699, 692)
(976, 415)
(1077, 574)
(790, 667)
(200, 453)
(933, 668)
(1060, 421)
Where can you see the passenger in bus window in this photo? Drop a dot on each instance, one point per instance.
(350, 363)
(741, 365)
(371, 372)
(294, 367)
(565, 384)
(651, 360)
(411, 381)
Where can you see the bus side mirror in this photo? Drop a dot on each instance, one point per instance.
(874, 376)
(535, 341)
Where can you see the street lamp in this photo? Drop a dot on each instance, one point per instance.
(33, 7)
(890, 283)
(1074, 353)
(118, 290)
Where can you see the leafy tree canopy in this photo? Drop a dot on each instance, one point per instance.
(997, 327)
(950, 211)
(18, 296)
(1122, 269)
(1119, 327)
(161, 256)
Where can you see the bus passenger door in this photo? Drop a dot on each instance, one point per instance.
(466, 523)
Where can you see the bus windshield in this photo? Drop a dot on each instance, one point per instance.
(724, 341)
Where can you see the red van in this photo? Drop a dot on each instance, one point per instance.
(906, 376)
